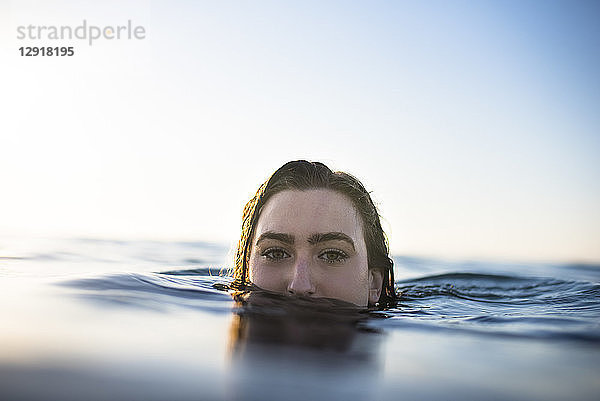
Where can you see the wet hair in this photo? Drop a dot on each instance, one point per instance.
(303, 175)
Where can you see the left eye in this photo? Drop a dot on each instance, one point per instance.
(275, 254)
(333, 256)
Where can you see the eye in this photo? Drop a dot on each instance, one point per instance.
(332, 256)
(275, 254)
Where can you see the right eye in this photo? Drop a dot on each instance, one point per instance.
(275, 254)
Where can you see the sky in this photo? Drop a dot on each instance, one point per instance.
(475, 125)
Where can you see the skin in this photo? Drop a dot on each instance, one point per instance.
(311, 243)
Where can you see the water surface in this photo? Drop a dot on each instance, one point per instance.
(93, 319)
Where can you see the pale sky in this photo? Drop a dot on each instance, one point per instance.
(474, 124)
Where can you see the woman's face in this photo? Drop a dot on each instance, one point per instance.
(311, 243)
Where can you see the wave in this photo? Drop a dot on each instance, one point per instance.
(498, 304)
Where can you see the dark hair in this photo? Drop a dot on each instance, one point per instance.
(304, 175)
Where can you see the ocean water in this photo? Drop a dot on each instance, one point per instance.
(138, 320)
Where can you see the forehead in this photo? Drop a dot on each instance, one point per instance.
(308, 212)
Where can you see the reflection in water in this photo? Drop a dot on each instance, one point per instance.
(154, 336)
(301, 348)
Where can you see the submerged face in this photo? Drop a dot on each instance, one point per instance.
(311, 243)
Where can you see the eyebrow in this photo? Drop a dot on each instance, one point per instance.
(285, 238)
(332, 236)
(313, 239)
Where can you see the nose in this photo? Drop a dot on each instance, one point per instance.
(301, 283)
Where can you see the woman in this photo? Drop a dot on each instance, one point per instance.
(312, 232)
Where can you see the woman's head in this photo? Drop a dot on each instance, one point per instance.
(311, 231)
